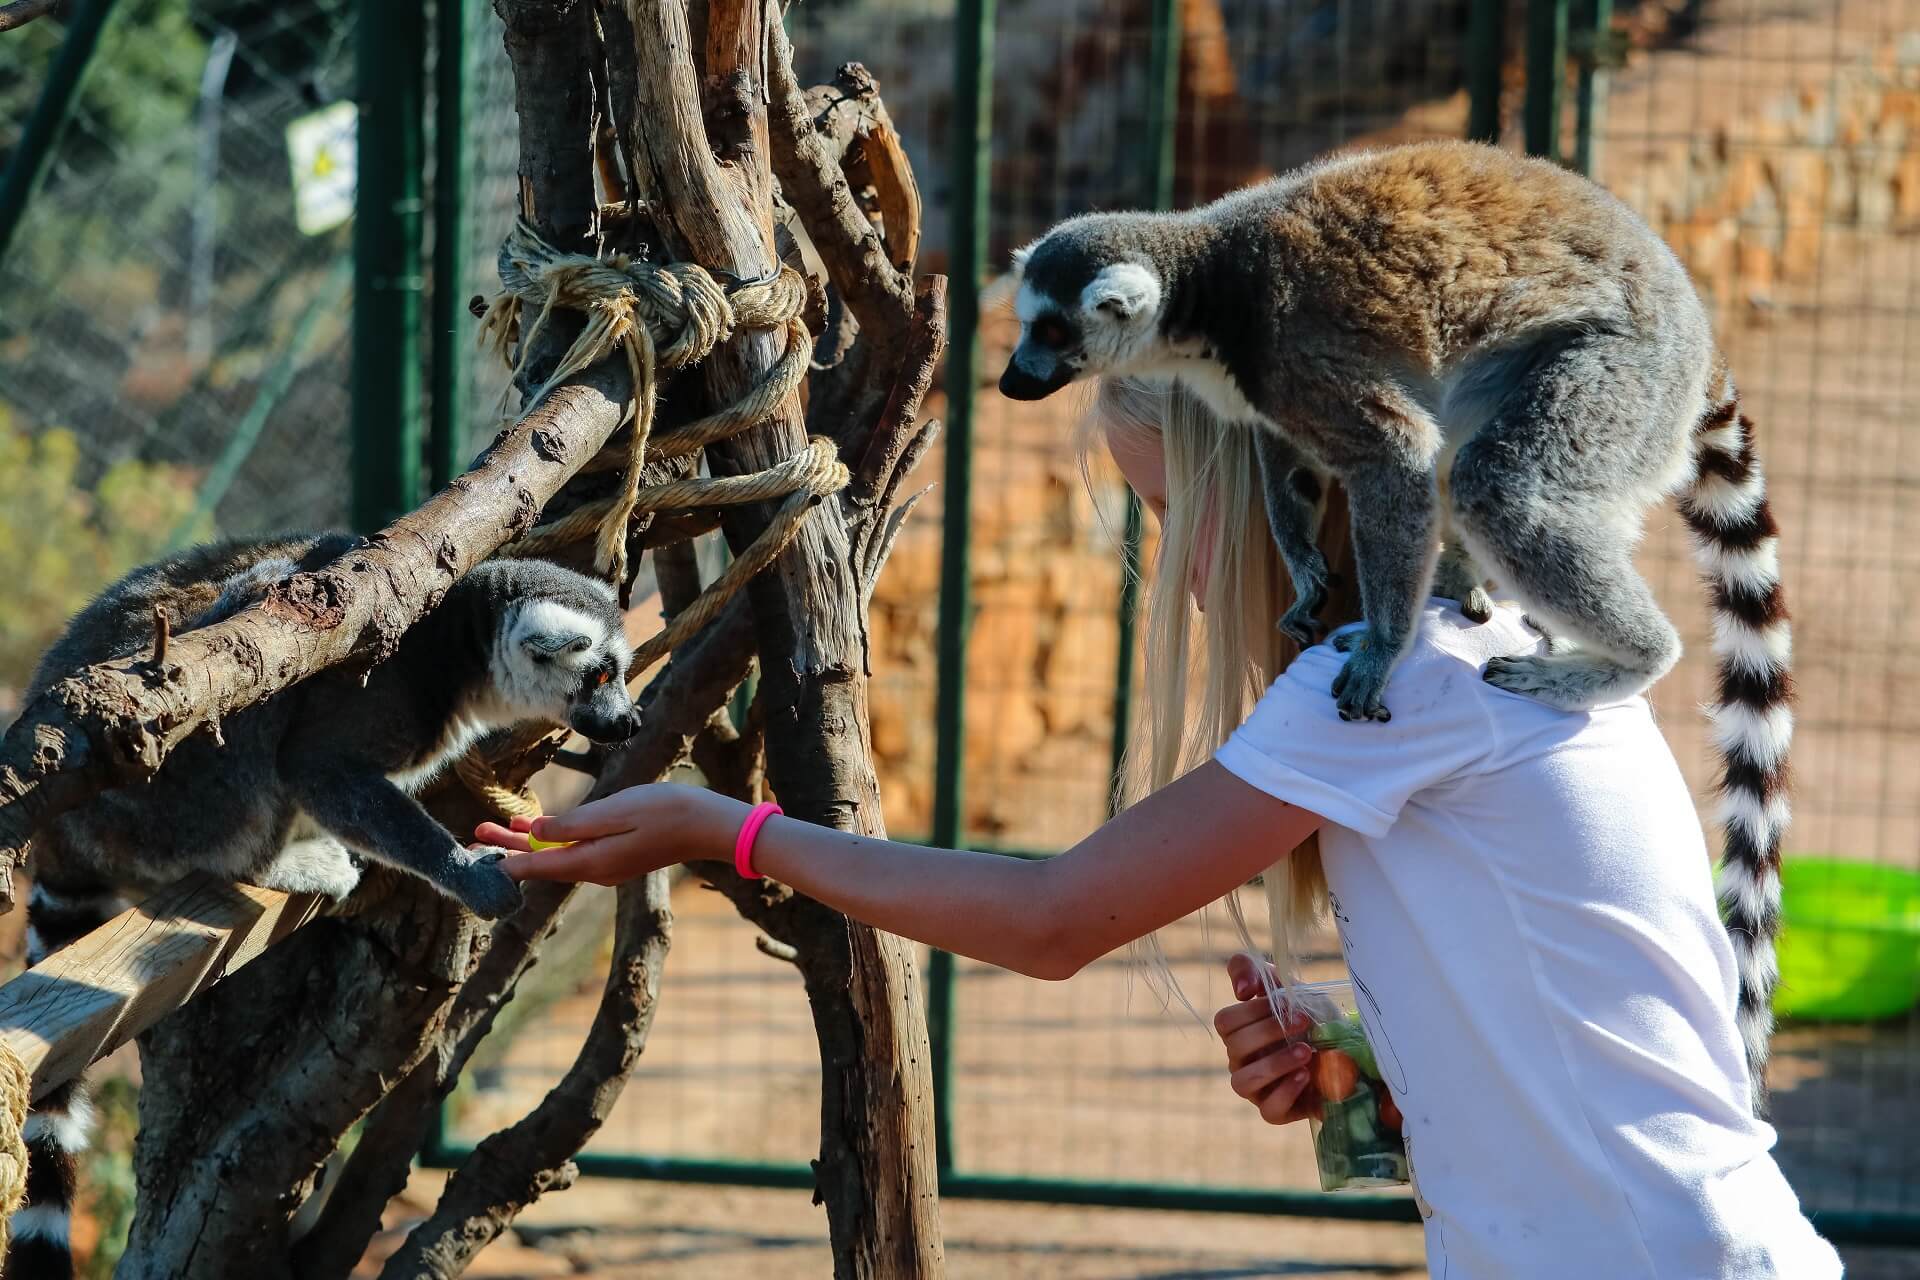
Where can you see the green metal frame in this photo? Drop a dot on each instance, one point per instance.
(1546, 76)
(972, 161)
(446, 441)
(1486, 42)
(51, 112)
(388, 283)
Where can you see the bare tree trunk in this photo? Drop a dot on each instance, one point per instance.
(876, 1171)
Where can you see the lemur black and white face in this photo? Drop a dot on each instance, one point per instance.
(1085, 309)
(568, 665)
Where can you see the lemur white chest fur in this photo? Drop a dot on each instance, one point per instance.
(463, 729)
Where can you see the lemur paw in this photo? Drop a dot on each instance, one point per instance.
(320, 865)
(1478, 605)
(1300, 626)
(1359, 686)
(482, 887)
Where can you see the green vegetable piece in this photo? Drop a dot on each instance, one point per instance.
(1348, 1037)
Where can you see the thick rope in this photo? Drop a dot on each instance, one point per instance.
(16, 1091)
(817, 469)
(473, 769)
(660, 316)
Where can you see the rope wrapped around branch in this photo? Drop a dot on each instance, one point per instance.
(661, 317)
(16, 1091)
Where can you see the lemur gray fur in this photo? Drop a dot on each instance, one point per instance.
(310, 778)
(1488, 351)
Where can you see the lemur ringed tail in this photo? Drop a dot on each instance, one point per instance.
(1485, 349)
(315, 775)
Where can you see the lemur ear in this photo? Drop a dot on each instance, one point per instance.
(1124, 291)
(1021, 255)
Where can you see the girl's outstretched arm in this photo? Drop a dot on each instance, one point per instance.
(1182, 847)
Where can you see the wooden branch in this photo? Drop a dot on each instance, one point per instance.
(876, 1172)
(21, 12)
(514, 1167)
(879, 470)
(89, 998)
(877, 290)
(266, 1071)
(112, 724)
(551, 45)
(849, 116)
(396, 1129)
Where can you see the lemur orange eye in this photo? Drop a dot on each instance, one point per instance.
(602, 678)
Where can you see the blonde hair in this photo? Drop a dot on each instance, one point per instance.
(1206, 667)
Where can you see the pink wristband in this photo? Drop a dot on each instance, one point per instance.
(743, 843)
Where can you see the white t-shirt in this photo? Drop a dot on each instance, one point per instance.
(1527, 909)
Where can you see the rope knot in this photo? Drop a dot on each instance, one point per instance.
(660, 315)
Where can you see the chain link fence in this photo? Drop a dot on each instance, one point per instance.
(173, 349)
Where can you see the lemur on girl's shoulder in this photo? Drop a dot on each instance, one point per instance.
(1505, 367)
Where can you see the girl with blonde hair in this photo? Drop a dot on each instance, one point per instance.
(1523, 897)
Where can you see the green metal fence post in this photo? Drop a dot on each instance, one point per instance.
(1546, 75)
(445, 458)
(972, 178)
(51, 112)
(1486, 47)
(1163, 109)
(390, 67)
(1596, 49)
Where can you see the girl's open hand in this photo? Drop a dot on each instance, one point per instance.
(1265, 1069)
(621, 837)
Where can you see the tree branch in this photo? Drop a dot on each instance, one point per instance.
(876, 1172)
(812, 180)
(514, 1167)
(21, 12)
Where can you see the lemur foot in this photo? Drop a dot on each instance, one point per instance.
(1360, 684)
(481, 886)
(318, 865)
(1478, 605)
(1562, 681)
(1300, 625)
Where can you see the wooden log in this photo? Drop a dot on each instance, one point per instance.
(91, 997)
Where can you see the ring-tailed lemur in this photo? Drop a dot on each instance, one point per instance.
(306, 780)
(1482, 348)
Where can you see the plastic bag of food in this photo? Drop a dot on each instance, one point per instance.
(1352, 1115)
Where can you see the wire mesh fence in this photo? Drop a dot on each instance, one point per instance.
(173, 348)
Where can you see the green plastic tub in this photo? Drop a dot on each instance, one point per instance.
(1849, 941)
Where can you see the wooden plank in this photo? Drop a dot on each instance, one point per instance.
(93, 996)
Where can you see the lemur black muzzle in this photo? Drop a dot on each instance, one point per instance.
(606, 721)
(1017, 384)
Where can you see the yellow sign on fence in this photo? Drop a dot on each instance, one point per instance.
(320, 147)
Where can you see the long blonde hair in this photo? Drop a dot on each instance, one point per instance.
(1205, 667)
